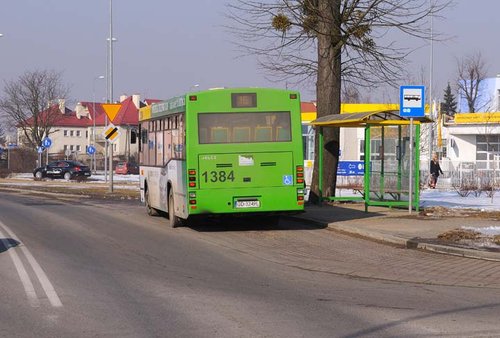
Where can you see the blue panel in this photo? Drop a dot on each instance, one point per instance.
(351, 168)
(412, 101)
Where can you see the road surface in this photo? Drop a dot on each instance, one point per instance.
(106, 269)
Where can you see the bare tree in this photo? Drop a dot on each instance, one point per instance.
(350, 94)
(29, 103)
(3, 138)
(329, 42)
(471, 74)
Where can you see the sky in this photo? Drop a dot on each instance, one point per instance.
(166, 48)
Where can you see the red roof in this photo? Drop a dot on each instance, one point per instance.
(308, 107)
(98, 112)
(58, 119)
(128, 113)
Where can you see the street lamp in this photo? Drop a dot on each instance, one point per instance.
(110, 92)
(100, 77)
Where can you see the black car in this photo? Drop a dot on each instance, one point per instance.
(63, 169)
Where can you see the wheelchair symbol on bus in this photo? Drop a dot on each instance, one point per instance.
(287, 180)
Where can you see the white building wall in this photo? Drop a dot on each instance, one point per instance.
(462, 148)
(349, 143)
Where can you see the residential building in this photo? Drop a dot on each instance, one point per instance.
(73, 130)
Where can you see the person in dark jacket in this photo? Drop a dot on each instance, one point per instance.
(435, 171)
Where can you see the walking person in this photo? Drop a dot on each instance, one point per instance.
(435, 171)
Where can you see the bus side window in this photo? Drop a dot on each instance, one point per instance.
(263, 134)
(203, 135)
(219, 135)
(282, 134)
(241, 134)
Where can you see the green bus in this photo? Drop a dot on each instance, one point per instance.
(222, 151)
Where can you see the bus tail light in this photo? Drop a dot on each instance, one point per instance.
(300, 194)
(193, 98)
(192, 198)
(293, 96)
(192, 178)
(299, 174)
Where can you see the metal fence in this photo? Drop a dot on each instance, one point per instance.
(458, 174)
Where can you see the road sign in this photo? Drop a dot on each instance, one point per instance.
(91, 150)
(11, 145)
(351, 168)
(111, 110)
(39, 150)
(46, 142)
(111, 133)
(412, 101)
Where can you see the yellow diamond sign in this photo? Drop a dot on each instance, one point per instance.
(111, 133)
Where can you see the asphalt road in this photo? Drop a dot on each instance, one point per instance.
(106, 269)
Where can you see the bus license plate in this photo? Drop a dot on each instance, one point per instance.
(247, 204)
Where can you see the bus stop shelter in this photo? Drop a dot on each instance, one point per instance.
(386, 180)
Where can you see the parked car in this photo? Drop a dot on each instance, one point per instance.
(63, 169)
(126, 168)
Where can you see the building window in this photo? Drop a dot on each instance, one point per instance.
(71, 147)
(487, 151)
(65, 132)
(78, 133)
(65, 147)
(361, 150)
(78, 148)
(71, 133)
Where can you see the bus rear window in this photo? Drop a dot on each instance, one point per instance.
(216, 128)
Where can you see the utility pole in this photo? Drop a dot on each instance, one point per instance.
(110, 88)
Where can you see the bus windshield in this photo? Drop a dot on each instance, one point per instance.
(214, 128)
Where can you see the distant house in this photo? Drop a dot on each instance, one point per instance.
(73, 130)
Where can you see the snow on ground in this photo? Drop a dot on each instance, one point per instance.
(451, 199)
(488, 231)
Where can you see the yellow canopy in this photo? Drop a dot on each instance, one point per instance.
(375, 118)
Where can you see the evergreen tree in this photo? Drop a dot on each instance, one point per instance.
(449, 106)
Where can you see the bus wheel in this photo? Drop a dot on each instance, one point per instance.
(150, 210)
(173, 220)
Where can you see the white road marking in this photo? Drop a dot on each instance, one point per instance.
(42, 277)
(23, 275)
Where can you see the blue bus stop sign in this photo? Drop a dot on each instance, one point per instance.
(91, 150)
(46, 142)
(412, 101)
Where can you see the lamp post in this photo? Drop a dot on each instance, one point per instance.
(110, 87)
(100, 77)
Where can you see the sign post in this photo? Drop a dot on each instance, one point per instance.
(46, 143)
(39, 151)
(91, 151)
(111, 134)
(411, 104)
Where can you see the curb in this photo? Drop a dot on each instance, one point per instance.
(413, 243)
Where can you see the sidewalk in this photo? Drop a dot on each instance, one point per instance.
(398, 227)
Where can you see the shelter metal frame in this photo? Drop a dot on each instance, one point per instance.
(367, 120)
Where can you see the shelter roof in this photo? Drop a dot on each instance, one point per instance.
(381, 117)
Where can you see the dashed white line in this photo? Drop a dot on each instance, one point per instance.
(23, 275)
(42, 277)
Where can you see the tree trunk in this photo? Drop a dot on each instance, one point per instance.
(328, 90)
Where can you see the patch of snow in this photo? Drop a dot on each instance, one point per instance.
(451, 199)
(489, 231)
